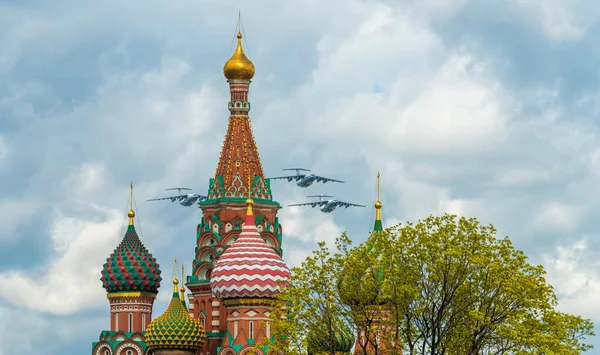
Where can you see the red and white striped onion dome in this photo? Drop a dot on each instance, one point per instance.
(249, 268)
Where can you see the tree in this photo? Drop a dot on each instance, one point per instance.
(442, 286)
(452, 287)
(311, 318)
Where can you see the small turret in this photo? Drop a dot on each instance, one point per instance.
(175, 331)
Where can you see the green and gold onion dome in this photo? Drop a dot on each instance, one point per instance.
(175, 329)
(319, 343)
(131, 267)
(239, 67)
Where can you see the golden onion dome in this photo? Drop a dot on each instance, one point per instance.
(175, 329)
(239, 66)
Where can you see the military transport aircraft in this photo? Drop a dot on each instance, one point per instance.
(327, 206)
(185, 199)
(304, 180)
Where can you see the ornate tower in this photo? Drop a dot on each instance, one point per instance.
(239, 174)
(131, 278)
(246, 279)
(373, 327)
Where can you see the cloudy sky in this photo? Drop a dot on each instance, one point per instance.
(480, 108)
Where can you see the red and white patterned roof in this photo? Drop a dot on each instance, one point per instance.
(249, 267)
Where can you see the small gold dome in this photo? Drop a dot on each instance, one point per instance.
(378, 205)
(130, 214)
(175, 329)
(239, 66)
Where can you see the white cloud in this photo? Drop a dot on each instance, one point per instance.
(556, 215)
(454, 113)
(573, 270)
(309, 225)
(70, 282)
(559, 20)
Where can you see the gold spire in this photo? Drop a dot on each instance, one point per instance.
(175, 281)
(182, 289)
(378, 204)
(239, 66)
(131, 214)
(249, 204)
(249, 201)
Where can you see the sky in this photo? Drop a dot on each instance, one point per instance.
(484, 109)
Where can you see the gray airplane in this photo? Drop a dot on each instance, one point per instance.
(327, 206)
(304, 180)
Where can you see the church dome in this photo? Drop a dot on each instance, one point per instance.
(249, 267)
(239, 66)
(320, 344)
(175, 329)
(131, 267)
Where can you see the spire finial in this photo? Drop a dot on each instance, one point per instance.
(131, 214)
(182, 289)
(378, 186)
(175, 281)
(249, 203)
(378, 205)
(239, 67)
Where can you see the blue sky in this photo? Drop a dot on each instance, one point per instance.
(480, 108)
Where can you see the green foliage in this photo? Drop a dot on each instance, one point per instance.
(444, 285)
(312, 305)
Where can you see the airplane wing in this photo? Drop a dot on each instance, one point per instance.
(312, 204)
(324, 179)
(347, 204)
(289, 178)
(172, 198)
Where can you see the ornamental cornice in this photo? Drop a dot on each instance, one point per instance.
(268, 302)
(130, 295)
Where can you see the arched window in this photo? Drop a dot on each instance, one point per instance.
(106, 352)
(117, 322)
(143, 321)
(268, 330)
(235, 329)
(129, 352)
(130, 323)
(251, 330)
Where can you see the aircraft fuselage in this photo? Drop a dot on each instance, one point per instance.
(188, 200)
(328, 207)
(307, 180)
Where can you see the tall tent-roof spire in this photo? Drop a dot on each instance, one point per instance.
(182, 288)
(378, 225)
(239, 160)
(131, 214)
(175, 281)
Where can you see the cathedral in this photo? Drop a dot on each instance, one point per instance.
(229, 302)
